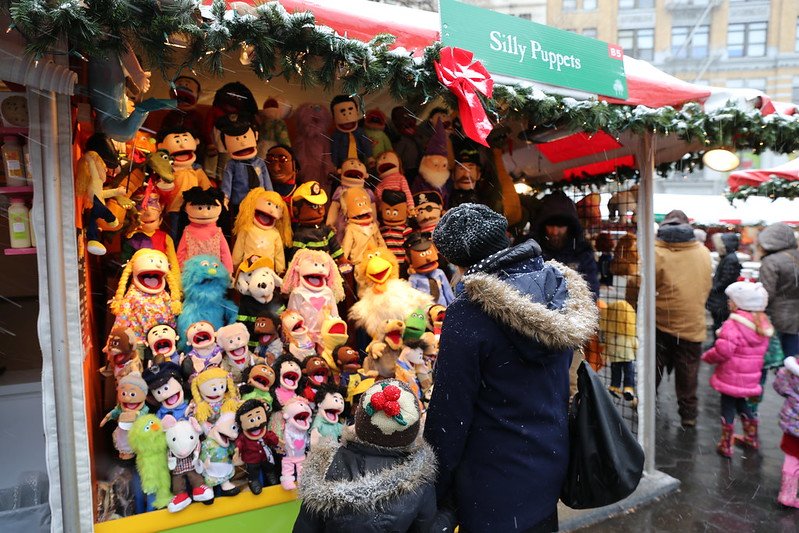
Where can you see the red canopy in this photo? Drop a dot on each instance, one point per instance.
(788, 171)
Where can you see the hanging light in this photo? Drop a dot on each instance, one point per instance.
(721, 159)
(522, 188)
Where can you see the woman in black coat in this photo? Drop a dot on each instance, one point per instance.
(727, 272)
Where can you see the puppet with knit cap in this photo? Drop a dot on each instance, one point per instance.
(353, 175)
(738, 354)
(202, 236)
(314, 286)
(213, 393)
(349, 140)
(382, 474)
(374, 126)
(272, 128)
(617, 321)
(146, 302)
(131, 396)
(263, 227)
(434, 166)
(362, 232)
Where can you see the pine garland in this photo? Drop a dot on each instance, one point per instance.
(174, 37)
(774, 188)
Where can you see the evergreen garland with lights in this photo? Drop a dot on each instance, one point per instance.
(774, 188)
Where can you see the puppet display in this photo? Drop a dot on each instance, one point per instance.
(383, 352)
(165, 382)
(90, 175)
(429, 207)
(258, 380)
(391, 178)
(148, 442)
(234, 340)
(232, 98)
(425, 276)
(256, 282)
(434, 166)
(162, 345)
(309, 229)
(588, 210)
(245, 170)
(263, 228)
(255, 445)
(148, 234)
(624, 203)
(315, 373)
(217, 452)
(202, 236)
(288, 370)
(202, 350)
(186, 91)
(374, 127)
(349, 140)
(146, 302)
(327, 425)
(394, 224)
(283, 168)
(362, 232)
(183, 459)
(295, 425)
(205, 282)
(272, 128)
(353, 175)
(121, 355)
(314, 286)
(333, 335)
(213, 393)
(465, 177)
(131, 394)
(270, 345)
(296, 334)
(415, 366)
(618, 324)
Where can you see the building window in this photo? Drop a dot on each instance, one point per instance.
(525, 16)
(569, 5)
(696, 49)
(636, 4)
(590, 32)
(638, 43)
(589, 5)
(747, 40)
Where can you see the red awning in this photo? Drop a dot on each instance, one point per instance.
(788, 171)
(601, 167)
(578, 145)
(650, 86)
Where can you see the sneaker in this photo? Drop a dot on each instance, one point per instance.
(95, 248)
(614, 391)
(179, 502)
(629, 394)
(202, 494)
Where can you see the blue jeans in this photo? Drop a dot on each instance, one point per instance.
(790, 343)
(627, 369)
(731, 405)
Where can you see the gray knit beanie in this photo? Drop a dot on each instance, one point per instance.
(469, 233)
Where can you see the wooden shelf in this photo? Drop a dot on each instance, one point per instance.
(9, 130)
(19, 251)
(25, 189)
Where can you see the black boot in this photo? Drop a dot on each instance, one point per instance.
(254, 478)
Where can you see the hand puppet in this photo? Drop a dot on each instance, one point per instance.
(122, 357)
(327, 425)
(258, 380)
(374, 124)
(263, 228)
(236, 356)
(165, 382)
(349, 140)
(405, 143)
(389, 170)
(333, 335)
(272, 128)
(309, 229)
(312, 146)
(183, 459)
(131, 396)
(425, 276)
(295, 418)
(187, 91)
(202, 350)
(255, 444)
(270, 345)
(288, 370)
(353, 174)
(394, 223)
(90, 175)
(434, 166)
(162, 345)
(148, 442)
(148, 234)
(233, 98)
(429, 208)
(256, 282)
(384, 350)
(362, 232)
(415, 368)
(245, 170)
(283, 168)
(315, 373)
(217, 453)
(465, 177)
(296, 335)
(202, 236)
(213, 392)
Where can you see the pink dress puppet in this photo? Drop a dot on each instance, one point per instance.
(314, 286)
(202, 236)
(296, 415)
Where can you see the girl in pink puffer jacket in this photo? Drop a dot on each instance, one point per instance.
(738, 352)
(787, 384)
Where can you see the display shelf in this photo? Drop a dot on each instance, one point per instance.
(19, 251)
(10, 130)
(25, 189)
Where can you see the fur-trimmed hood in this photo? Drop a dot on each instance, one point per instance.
(413, 469)
(544, 301)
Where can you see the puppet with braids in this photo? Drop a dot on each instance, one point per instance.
(263, 228)
(214, 393)
(146, 302)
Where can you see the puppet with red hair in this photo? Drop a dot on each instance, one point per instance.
(314, 286)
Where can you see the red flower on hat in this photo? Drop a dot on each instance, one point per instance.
(387, 401)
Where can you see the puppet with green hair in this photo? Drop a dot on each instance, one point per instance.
(148, 441)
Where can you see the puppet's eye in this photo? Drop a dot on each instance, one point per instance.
(204, 263)
(215, 265)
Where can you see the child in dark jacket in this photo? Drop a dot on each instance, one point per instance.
(380, 478)
(738, 353)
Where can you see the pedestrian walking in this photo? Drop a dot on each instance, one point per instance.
(779, 274)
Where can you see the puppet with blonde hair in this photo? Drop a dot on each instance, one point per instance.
(314, 286)
(617, 322)
(213, 393)
(263, 227)
(147, 302)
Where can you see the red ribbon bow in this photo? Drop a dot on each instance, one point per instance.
(465, 77)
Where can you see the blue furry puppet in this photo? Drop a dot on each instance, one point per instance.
(205, 283)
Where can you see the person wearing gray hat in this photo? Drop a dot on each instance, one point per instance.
(497, 418)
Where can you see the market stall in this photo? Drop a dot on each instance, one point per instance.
(295, 59)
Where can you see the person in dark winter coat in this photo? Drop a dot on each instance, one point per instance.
(497, 419)
(380, 478)
(558, 231)
(779, 274)
(727, 272)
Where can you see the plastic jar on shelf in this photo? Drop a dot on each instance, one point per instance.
(13, 162)
(19, 224)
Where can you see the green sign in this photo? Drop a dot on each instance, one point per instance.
(511, 46)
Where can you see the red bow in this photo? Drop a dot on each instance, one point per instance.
(465, 77)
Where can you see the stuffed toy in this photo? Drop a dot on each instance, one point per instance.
(362, 232)
(258, 380)
(429, 207)
(217, 453)
(309, 229)
(165, 382)
(146, 302)
(90, 176)
(294, 422)
(121, 355)
(205, 284)
(202, 236)
(465, 177)
(604, 245)
(233, 98)
(288, 370)
(327, 426)
(255, 444)
(333, 335)
(622, 203)
(263, 227)
(131, 396)
(383, 352)
(425, 276)
(427, 129)
(415, 325)
(414, 365)
(236, 356)
(382, 295)
(256, 282)
(314, 286)
(312, 146)
(315, 373)
(374, 126)
(202, 350)
(349, 140)
(405, 143)
(148, 234)
(296, 335)
(183, 460)
(348, 361)
(283, 169)
(625, 263)
(272, 128)
(434, 166)
(389, 170)
(148, 443)
(270, 346)
(186, 90)
(617, 322)
(435, 318)
(353, 175)
(245, 170)
(394, 224)
(588, 210)
(162, 345)
(213, 393)
(181, 145)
